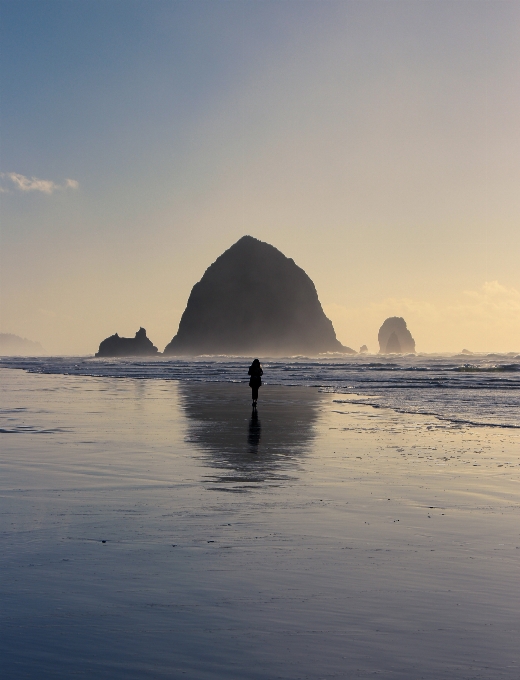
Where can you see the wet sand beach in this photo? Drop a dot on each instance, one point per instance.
(158, 529)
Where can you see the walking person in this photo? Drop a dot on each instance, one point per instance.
(256, 373)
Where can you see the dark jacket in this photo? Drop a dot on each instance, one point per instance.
(256, 374)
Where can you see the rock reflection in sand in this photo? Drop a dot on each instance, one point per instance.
(248, 448)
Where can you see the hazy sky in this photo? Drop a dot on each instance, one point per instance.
(375, 143)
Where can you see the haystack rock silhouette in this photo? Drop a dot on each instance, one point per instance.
(254, 300)
(114, 346)
(395, 338)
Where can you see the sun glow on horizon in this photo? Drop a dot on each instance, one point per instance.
(377, 144)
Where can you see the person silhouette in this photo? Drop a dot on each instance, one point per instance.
(256, 373)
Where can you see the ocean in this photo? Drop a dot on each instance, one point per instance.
(478, 389)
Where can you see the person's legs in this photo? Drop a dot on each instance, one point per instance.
(254, 391)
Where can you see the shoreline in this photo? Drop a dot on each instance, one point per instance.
(395, 399)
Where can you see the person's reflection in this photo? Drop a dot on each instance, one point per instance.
(234, 444)
(255, 431)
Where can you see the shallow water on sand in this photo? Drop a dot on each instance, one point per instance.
(152, 528)
(476, 389)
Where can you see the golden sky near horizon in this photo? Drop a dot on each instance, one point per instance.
(375, 143)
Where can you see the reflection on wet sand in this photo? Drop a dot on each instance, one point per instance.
(255, 430)
(247, 447)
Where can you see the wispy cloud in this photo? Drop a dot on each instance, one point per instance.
(24, 184)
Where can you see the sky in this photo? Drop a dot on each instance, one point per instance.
(377, 143)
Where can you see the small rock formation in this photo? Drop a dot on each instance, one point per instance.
(254, 300)
(466, 351)
(14, 345)
(395, 338)
(114, 346)
(363, 349)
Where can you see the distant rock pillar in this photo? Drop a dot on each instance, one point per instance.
(395, 338)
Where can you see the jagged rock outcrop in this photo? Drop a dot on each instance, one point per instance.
(254, 300)
(395, 338)
(363, 349)
(114, 346)
(14, 345)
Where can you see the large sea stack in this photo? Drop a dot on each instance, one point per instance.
(254, 300)
(395, 338)
(114, 346)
